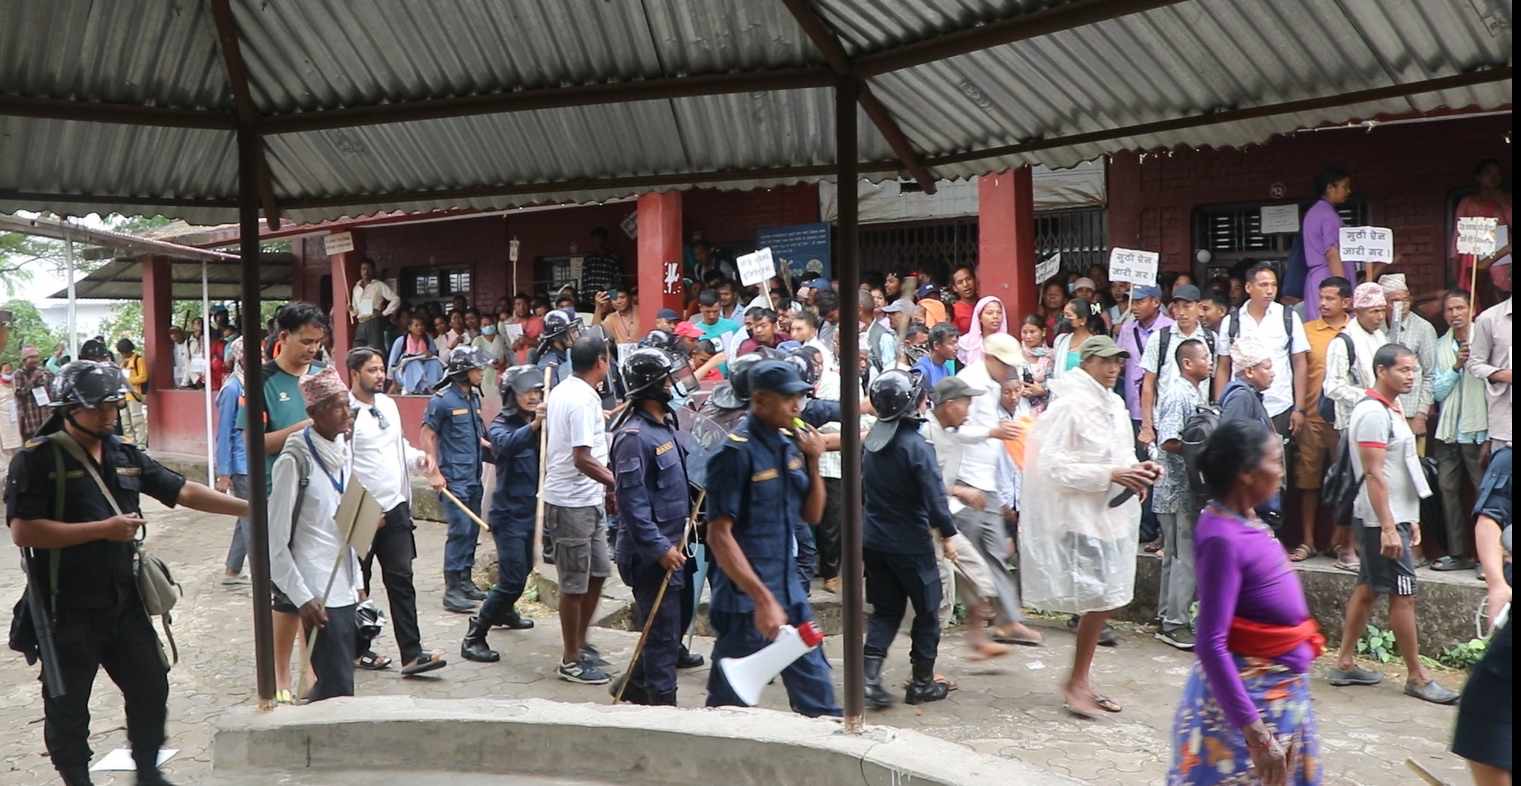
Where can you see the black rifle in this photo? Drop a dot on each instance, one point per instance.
(42, 623)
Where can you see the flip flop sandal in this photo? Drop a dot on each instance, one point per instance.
(1023, 642)
(371, 661)
(1077, 713)
(425, 662)
(1301, 553)
(950, 685)
(284, 697)
(1106, 704)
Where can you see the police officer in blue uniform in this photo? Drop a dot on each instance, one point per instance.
(514, 437)
(905, 499)
(81, 552)
(455, 437)
(762, 485)
(649, 457)
(561, 329)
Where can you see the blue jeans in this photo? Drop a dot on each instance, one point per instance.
(809, 688)
(459, 547)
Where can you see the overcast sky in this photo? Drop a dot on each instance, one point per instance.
(45, 280)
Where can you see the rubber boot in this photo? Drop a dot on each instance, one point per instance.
(877, 696)
(455, 599)
(474, 647)
(76, 776)
(924, 688)
(472, 592)
(689, 660)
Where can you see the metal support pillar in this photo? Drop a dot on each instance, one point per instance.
(848, 268)
(253, 393)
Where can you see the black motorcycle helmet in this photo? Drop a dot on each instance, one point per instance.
(645, 371)
(559, 324)
(895, 395)
(88, 383)
(808, 362)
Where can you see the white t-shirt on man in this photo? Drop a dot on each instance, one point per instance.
(574, 419)
(1279, 397)
(1377, 425)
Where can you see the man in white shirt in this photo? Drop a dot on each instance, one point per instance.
(1283, 332)
(383, 462)
(1347, 383)
(576, 483)
(978, 513)
(181, 365)
(1159, 365)
(371, 302)
(1387, 514)
(304, 542)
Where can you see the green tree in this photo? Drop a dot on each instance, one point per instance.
(126, 321)
(27, 330)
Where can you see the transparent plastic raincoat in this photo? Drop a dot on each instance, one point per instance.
(1076, 554)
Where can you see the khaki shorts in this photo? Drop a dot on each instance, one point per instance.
(971, 572)
(580, 542)
(1312, 454)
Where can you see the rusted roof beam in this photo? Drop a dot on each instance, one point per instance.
(1455, 82)
(242, 100)
(824, 39)
(550, 98)
(121, 114)
(1064, 16)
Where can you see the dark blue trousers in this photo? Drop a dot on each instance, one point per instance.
(459, 546)
(893, 583)
(810, 690)
(514, 550)
(653, 680)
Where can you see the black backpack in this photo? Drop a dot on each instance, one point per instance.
(1339, 488)
(1327, 407)
(1196, 431)
(1288, 328)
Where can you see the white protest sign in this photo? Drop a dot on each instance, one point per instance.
(1478, 235)
(1048, 268)
(1367, 244)
(757, 267)
(338, 243)
(1278, 219)
(1137, 267)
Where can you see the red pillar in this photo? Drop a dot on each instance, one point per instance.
(660, 254)
(345, 271)
(158, 350)
(1006, 240)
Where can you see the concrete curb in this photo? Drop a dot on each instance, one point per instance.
(628, 745)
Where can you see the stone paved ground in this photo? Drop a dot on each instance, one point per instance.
(1009, 708)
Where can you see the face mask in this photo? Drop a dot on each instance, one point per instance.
(488, 330)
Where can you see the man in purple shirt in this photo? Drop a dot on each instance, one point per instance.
(1146, 317)
(1321, 237)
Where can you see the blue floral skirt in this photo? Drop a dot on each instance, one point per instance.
(1208, 751)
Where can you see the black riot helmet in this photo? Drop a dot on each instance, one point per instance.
(88, 383)
(645, 371)
(560, 324)
(808, 362)
(740, 366)
(659, 339)
(461, 362)
(896, 394)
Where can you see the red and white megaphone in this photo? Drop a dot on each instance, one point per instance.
(750, 674)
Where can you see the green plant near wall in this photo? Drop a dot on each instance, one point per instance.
(1465, 655)
(1378, 644)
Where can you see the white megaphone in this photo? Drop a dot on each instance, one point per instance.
(750, 674)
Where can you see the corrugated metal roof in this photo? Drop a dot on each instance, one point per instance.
(1183, 59)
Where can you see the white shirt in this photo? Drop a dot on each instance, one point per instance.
(574, 420)
(979, 460)
(1342, 384)
(1279, 397)
(1375, 424)
(181, 369)
(365, 296)
(301, 565)
(382, 457)
(1169, 364)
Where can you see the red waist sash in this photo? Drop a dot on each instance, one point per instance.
(1260, 640)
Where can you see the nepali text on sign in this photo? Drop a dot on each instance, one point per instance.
(1367, 244)
(756, 268)
(1137, 267)
(1478, 235)
(800, 250)
(1048, 268)
(338, 243)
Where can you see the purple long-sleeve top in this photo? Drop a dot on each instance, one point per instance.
(1242, 572)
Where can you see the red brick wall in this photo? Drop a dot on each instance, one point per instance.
(1406, 173)
(732, 217)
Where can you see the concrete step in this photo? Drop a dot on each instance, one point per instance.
(368, 777)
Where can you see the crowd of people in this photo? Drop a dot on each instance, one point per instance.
(991, 472)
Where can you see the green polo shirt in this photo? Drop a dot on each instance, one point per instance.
(283, 407)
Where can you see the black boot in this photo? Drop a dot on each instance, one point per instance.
(455, 599)
(75, 776)
(474, 647)
(665, 700)
(154, 777)
(512, 620)
(689, 660)
(877, 696)
(924, 688)
(468, 585)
